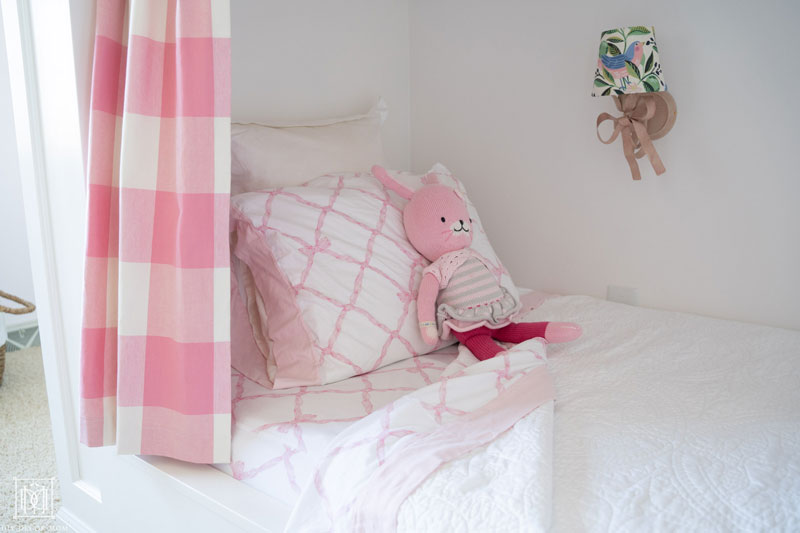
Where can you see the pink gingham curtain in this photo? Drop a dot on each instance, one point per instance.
(156, 319)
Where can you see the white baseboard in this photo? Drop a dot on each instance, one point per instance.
(73, 522)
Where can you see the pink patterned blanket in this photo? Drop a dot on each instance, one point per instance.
(410, 425)
(371, 468)
(278, 435)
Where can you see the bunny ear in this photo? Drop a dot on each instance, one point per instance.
(390, 183)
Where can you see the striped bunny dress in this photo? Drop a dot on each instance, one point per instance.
(470, 296)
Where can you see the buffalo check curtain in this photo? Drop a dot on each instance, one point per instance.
(156, 318)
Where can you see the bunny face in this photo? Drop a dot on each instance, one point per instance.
(436, 221)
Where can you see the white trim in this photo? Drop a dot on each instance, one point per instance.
(69, 519)
(240, 504)
(100, 491)
(25, 103)
(90, 490)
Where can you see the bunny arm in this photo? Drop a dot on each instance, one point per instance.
(426, 308)
(426, 298)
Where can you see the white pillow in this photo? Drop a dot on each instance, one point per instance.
(265, 156)
(334, 278)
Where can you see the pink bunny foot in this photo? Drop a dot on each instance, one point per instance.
(562, 332)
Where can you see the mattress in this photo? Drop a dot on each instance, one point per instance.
(663, 421)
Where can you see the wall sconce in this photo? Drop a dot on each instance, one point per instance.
(628, 69)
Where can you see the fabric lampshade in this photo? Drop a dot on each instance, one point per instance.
(628, 62)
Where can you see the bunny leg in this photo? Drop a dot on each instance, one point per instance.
(549, 331)
(479, 341)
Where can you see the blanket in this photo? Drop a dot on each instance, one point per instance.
(471, 451)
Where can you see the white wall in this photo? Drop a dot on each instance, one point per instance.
(311, 59)
(15, 265)
(500, 93)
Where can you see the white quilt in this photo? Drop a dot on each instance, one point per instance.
(506, 486)
(673, 422)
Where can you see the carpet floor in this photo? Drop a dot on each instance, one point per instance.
(26, 442)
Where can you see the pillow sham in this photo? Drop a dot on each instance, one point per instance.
(335, 276)
(248, 342)
(265, 156)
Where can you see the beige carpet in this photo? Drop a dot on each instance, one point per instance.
(26, 443)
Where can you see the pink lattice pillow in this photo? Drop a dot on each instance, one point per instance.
(335, 276)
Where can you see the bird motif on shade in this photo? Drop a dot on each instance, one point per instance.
(615, 65)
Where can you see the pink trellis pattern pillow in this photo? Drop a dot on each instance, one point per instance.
(335, 276)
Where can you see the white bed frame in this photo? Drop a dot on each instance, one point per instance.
(100, 491)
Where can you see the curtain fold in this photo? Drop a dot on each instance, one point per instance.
(155, 359)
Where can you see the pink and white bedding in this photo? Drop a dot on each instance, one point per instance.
(369, 470)
(664, 421)
(279, 435)
(335, 276)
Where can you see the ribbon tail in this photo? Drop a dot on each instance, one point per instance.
(647, 146)
(627, 148)
(635, 140)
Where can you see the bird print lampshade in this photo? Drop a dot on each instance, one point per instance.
(628, 62)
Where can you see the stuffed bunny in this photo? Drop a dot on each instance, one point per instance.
(458, 293)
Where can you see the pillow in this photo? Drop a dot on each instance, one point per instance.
(248, 342)
(335, 277)
(265, 156)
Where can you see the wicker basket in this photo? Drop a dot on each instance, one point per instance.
(26, 308)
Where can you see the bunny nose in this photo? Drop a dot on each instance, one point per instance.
(462, 222)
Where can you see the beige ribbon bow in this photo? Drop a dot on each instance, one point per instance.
(632, 125)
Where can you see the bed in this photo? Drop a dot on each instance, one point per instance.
(663, 421)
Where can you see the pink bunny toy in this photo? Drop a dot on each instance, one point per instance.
(459, 293)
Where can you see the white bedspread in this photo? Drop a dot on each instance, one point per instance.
(673, 422)
(504, 487)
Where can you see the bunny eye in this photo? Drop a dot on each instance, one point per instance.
(443, 219)
(470, 221)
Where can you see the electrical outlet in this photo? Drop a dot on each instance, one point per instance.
(623, 295)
